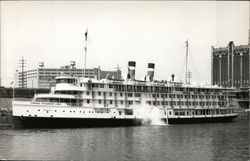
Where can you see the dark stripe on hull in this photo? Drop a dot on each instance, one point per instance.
(200, 120)
(40, 122)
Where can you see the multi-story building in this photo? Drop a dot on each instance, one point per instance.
(45, 77)
(230, 66)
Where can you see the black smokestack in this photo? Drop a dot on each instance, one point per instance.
(151, 69)
(131, 70)
(172, 77)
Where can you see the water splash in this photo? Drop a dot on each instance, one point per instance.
(151, 115)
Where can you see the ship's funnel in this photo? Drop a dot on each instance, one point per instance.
(172, 77)
(151, 70)
(131, 70)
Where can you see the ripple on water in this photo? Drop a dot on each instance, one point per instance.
(222, 141)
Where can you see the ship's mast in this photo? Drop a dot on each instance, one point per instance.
(85, 50)
(186, 61)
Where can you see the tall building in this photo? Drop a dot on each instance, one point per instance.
(230, 66)
(45, 77)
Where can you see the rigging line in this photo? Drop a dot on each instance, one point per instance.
(193, 63)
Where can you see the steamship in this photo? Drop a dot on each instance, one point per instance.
(88, 102)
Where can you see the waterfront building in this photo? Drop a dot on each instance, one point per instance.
(230, 66)
(42, 77)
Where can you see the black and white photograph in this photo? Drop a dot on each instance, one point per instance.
(125, 80)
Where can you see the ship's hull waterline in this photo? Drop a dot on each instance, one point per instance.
(201, 120)
(44, 122)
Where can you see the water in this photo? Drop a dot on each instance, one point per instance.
(194, 142)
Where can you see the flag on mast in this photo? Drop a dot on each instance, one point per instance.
(86, 35)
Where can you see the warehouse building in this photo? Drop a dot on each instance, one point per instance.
(230, 66)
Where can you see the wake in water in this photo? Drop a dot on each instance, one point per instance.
(151, 115)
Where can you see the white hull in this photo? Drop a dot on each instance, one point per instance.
(56, 115)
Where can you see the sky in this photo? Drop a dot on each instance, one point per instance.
(143, 31)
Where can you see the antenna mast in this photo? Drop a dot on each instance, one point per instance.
(186, 61)
(22, 62)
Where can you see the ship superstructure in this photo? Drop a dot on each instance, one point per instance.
(79, 102)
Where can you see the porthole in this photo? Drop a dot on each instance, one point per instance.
(38, 110)
(63, 111)
(70, 111)
(27, 110)
(55, 110)
(35, 115)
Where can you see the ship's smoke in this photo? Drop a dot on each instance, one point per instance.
(151, 115)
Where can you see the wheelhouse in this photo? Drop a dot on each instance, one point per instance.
(66, 79)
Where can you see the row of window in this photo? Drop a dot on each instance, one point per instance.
(127, 112)
(164, 95)
(202, 112)
(172, 103)
(60, 73)
(121, 94)
(185, 96)
(20, 78)
(70, 69)
(68, 92)
(244, 81)
(111, 102)
(153, 88)
(31, 76)
(92, 111)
